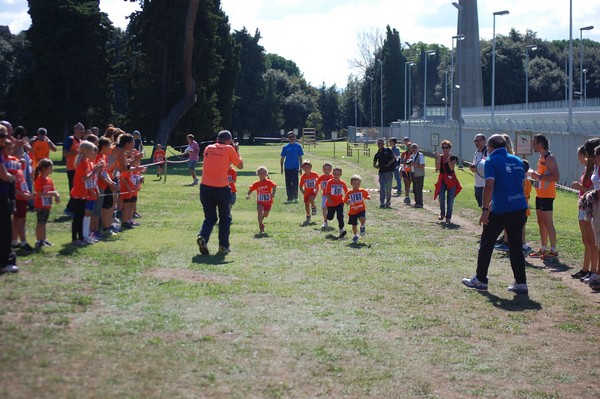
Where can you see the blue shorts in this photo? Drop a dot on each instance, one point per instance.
(192, 164)
(89, 205)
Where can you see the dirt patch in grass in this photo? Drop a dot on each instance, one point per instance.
(190, 276)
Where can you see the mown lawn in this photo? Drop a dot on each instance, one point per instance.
(295, 312)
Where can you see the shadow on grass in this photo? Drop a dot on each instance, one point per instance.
(359, 245)
(307, 223)
(261, 235)
(517, 303)
(211, 259)
(450, 226)
(68, 250)
(333, 237)
(62, 218)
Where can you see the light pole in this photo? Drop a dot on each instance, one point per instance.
(531, 47)
(457, 38)
(581, 60)
(505, 12)
(371, 97)
(584, 86)
(381, 92)
(409, 96)
(428, 52)
(406, 65)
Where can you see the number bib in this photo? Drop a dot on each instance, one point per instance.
(264, 197)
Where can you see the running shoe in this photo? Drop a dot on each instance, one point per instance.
(475, 284)
(538, 255)
(325, 225)
(355, 239)
(9, 269)
(586, 278)
(407, 200)
(580, 274)
(363, 230)
(313, 210)
(527, 250)
(202, 245)
(502, 247)
(550, 255)
(343, 233)
(224, 250)
(518, 288)
(25, 245)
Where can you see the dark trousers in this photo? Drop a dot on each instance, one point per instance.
(78, 209)
(418, 189)
(479, 196)
(339, 212)
(291, 184)
(70, 177)
(513, 222)
(215, 199)
(7, 253)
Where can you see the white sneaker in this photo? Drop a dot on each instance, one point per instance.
(9, 269)
(475, 284)
(518, 288)
(325, 225)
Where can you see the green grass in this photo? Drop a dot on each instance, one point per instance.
(296, 312)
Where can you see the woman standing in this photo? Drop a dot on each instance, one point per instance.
(590, 252)
(447, 186)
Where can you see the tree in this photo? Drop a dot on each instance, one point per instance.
(329, 108)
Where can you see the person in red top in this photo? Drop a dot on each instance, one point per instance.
(355, 198)
(215, 192)
(44, 192)
(265, 193)
(41, 147)
(308, 187)
(159, 156)
(70, 151)
(335, 191)
(232, 178)
(107, 188)
(321, 184)
(16, 167)
(85, 185)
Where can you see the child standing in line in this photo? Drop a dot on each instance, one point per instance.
(159, 156)
(357, 212)
(16, 167)
(265, 193)
(44, 192)
(232, 179)
(334, 191)
(321, 184)
(84, 186)
(308, 187)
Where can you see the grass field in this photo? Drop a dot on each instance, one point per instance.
(296, 312)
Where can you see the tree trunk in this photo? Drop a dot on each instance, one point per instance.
(189, 97)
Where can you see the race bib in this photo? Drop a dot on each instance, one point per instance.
(46, 201)
(310, 183)
(264, 197)
(356, 197)
(337, 190)
(24, 186)
(90, 184)
(323, 185)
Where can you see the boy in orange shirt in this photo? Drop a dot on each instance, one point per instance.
(159, 156)
(356, 199)
(44, 192)
(321, 184)
(265, 193)
(308, 187)
(232, 178)
(335, 191)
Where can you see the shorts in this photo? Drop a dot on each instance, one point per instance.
(266, 206)
(42, 215)
(107, 200)
(89, 205)
(323, 202)
(21, 212)
(581, 215)
(192, 164)
(544, 204)
(406, 175)
(308, 197)
(131, 200)
(353, 219)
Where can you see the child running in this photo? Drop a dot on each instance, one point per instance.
(355, 198)
(335, 191)
(308, 187)
(232, 179)
(44, 192)
(159, 156)
(322, 183)
(265, 193)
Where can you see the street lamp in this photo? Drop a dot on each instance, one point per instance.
(409, 96)
(428, 52)
(531, 47)
(505, 12)
(406, 65)
(445, 99)
(581, 59)
(457, 38)
(584, 86)
(381, 92)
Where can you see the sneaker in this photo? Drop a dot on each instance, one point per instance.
(126, 226)
(136, 215)
(90, 240)
(202, 245)
(407, 200)
(25, 245)
(343, 233)
(537, 255)
(580, 274)
(418, 206)
(363, 230)
(382, 205)
(518, 288)
(500, 240)
(595, 285)
(325, 225)
(527, 250)
(355, 239)
(308, 218)
(9, 269)
(586, 278)
(134, 223)
(313, 210)
(595, 277)
(68, 213)
(502, 247)
(39, 244)
(550, 255)
(388, 204)
(15, 244)
(223, 250)
(195, 182)
(474, 284)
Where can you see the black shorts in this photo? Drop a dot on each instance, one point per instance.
(107, 200)
(131, 200)
(42, 215)
(353, 219)
(544, 204)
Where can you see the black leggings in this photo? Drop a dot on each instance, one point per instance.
(339, 210)
(78, 209)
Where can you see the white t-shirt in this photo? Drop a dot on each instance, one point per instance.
(478, 157)
(596, 178)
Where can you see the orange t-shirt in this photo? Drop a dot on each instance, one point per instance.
(264, 191)
(104, 172)
(322, 182)
(336, 189)
(82, 188)
(544, 189)
(15, 167)
(159, 156)
(40, 149)
(232, 178)
(356, 200)
(43, 185)
(71, 158)
(309, 182)
(527, 190)
(217, 160)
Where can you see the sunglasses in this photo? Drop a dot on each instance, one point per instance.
(445, 148)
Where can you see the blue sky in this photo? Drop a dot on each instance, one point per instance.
(320, 36)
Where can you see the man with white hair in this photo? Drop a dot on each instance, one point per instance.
(480, 155)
